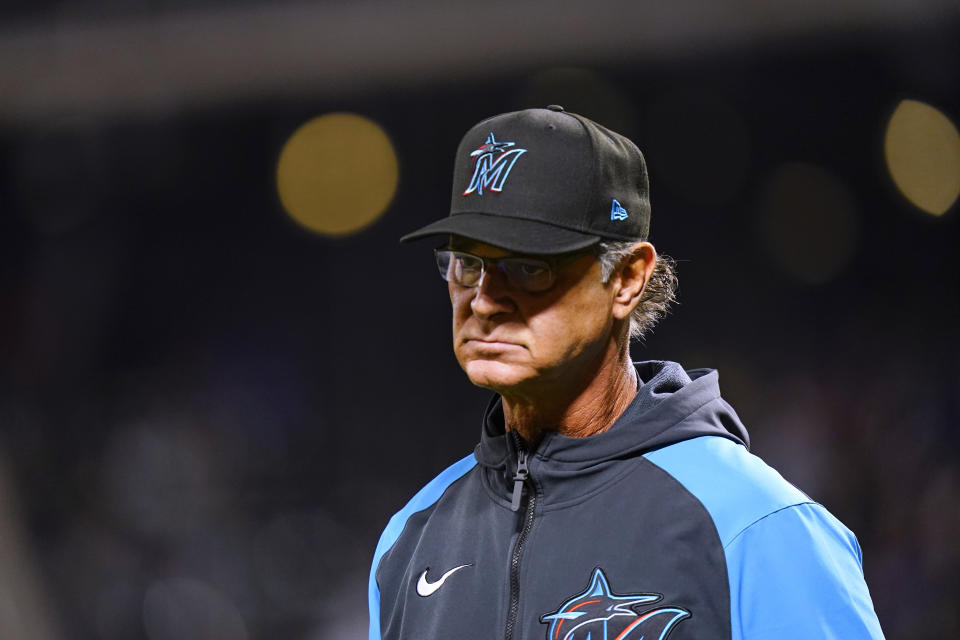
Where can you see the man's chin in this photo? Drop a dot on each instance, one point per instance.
(496, 375)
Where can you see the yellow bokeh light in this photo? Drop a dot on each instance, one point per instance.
(337, 174)
(922, 148)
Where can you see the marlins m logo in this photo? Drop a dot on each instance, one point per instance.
(599, 614)
(494, 162)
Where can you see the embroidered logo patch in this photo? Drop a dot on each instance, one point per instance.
(617, 212)
(494, 161)
(425, 588)
(598, 613)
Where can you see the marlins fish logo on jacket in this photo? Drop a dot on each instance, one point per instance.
(598, 613)
(494, 161)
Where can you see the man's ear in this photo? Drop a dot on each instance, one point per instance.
(630, 278)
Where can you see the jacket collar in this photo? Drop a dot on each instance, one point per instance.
(671, 405)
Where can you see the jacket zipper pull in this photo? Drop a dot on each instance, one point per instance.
(519, 478)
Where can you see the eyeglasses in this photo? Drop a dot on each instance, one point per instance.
(532, 275)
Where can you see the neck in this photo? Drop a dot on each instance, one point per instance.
(581, 407)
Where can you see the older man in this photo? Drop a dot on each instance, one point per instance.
(606, 500)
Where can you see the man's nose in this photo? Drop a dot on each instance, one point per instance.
(491, 295)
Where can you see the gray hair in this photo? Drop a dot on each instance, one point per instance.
(659, 293)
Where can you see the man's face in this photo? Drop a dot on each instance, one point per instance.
(515, 342)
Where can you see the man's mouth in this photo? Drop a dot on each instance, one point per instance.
(492, 343)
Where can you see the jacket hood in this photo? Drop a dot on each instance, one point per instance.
(671, 405)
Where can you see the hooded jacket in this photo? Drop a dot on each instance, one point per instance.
(663, 526)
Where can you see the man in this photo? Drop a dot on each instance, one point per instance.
(606, 500)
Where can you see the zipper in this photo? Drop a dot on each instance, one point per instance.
(520, 478)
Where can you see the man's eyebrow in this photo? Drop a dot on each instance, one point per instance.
(467, 245)
(463, 244)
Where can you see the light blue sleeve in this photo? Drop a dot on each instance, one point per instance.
(797, 574)
(428, 495)
(794, 570)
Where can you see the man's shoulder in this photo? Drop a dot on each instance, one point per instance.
(433, 490)
(736, 487)
(424, 499)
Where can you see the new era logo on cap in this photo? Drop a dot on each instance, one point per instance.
(617, 212)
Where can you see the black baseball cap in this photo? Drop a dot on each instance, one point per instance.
(545, 181)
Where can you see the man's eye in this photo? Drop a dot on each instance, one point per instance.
(530, 268)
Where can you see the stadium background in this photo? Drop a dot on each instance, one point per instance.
(209, 411)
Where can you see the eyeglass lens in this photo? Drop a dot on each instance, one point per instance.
(528, 274)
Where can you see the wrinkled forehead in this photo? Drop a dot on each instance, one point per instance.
(484, 250)
(461, 243)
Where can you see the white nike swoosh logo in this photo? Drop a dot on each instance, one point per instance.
(426, 588)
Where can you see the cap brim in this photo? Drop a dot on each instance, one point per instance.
(513, 234)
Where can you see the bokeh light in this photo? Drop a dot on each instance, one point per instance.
(922, 147)
(337, 174)
(808, 222)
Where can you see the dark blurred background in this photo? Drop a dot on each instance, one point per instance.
(213, 394)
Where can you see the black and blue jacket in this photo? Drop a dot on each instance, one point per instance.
(664, 526)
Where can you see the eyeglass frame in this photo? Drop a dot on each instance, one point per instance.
(552, 263)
